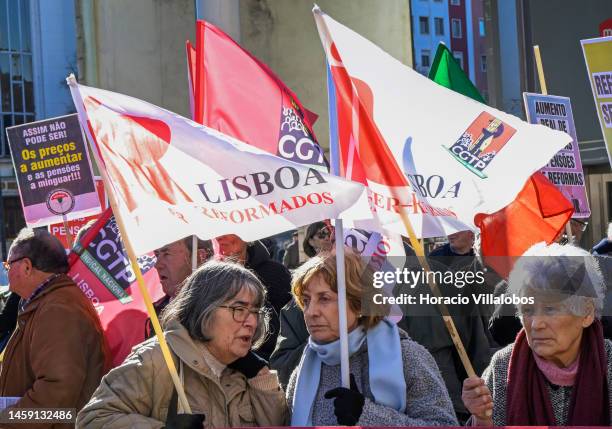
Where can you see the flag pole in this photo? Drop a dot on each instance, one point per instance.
(544, 90)
(340, 273)
(416, 244)
(194, 252)
(71, 80)
(419, 250)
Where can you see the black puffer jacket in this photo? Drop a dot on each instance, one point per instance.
(277, 281)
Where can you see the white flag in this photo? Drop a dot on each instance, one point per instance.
(173, 177)
(439, 155)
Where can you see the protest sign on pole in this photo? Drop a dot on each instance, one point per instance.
(53, 171)
(565, 168)
(598, 58)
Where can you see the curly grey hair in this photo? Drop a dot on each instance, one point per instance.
(567, 270)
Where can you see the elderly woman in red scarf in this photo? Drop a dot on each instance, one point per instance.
(558, 371)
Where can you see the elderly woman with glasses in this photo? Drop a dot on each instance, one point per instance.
(558, 371)
(393, 382)
(210, 327)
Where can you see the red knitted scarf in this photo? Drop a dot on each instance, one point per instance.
(528, 402)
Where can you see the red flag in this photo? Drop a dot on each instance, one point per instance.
(240, 96)
(100, 267)
(191, 75)
(539, 213)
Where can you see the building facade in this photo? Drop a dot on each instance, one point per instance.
(37, 52)
(430, 24)
(460, 25)
(514, 27)
(459, 33)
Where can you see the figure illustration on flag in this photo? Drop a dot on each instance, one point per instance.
(481, 142)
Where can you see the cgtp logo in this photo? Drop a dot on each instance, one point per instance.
(481, 142)
(296, 142)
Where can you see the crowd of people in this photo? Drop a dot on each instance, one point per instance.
(257, 342)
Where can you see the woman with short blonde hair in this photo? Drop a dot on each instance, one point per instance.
(394, 381)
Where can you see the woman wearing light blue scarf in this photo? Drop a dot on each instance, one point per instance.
(394, 381)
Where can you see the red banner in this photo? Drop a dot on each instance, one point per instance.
(100, 267)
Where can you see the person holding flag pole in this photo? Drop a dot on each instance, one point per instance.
(130, 136)
(182, 398)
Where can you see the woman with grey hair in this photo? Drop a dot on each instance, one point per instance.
(558, 371)
(210, 327)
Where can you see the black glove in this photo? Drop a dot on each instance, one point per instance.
(182, 421)
(185, 421)
(348, 404)
(249, 365)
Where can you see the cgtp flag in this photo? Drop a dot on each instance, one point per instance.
(539, 211)
(240, 96)
(100, 267)
(174, 178)
(417, 145)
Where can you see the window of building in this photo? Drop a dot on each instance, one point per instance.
(13, 217)
(439, 26)
(485, 95)
(481, 27)
(425, 58)
(455, 2)
(483, 63)
(424, 24)
(459, 57)
(16, 76)
(456, 28)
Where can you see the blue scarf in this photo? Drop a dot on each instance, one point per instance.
(385, 366)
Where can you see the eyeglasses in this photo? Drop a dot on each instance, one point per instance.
(241, 313)
(581, 225)
(7, 264)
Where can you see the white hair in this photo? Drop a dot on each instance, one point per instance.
(550, 268)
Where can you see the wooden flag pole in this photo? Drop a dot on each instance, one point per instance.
(538, 60)
(133, 260)
(419, 249)
(544, 90)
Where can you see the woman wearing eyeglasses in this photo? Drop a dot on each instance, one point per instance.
(210, 327)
